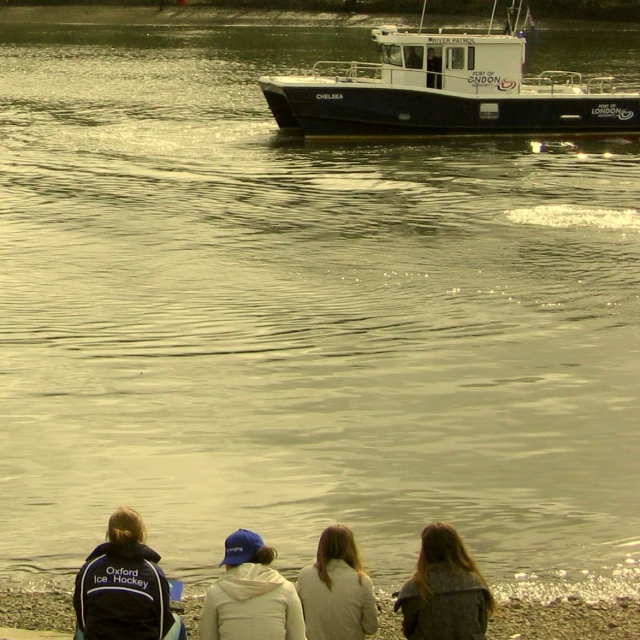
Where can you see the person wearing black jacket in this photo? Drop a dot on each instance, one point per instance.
(447, 598)
(121, 593)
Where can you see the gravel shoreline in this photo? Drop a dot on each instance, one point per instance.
(563, 619)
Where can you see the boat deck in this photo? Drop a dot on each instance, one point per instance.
(545, 84)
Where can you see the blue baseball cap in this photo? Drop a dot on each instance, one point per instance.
(240, 546)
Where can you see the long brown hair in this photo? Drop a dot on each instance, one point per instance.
(442, 543)
(126, 528)
(337, 543)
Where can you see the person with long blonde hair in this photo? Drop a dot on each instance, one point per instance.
(121, 593)
(337, 595)
(447, 598)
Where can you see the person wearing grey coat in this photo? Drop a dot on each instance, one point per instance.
(346, 611)
(336, 593)
(456, 608)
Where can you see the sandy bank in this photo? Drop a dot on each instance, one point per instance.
(566, 619)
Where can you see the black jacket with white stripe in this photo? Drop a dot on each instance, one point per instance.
(122, 594)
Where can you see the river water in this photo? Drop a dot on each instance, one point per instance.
(226, 327)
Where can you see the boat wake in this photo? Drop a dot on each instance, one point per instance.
(567, 216)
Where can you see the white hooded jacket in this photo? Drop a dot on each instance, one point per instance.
(252, 601)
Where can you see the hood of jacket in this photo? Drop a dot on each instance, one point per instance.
(133, 552)
(441, 579)
(249, 580)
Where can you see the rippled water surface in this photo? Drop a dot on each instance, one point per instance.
(225, 327)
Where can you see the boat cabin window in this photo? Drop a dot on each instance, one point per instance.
(471, 58)
(392, 54)
(455, 57)
(413, 57)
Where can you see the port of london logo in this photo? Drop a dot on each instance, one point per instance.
(491, 79)
(612, 111)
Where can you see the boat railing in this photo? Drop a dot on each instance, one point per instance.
(600, 84)
(555, 81)
(347, 71)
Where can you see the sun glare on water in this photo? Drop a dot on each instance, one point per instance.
(567, 216)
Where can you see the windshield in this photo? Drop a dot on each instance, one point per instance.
(392, 54)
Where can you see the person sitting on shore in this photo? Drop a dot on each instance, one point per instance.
(120, 592)
(337, 595)
(252, 600)
(446, 598)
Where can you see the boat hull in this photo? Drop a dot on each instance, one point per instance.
(359, 110)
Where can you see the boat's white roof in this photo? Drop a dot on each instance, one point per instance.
(392, 35)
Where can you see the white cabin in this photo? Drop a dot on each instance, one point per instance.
(469, 64)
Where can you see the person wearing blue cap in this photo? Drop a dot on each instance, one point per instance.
(252, 600)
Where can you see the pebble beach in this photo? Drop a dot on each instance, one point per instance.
(563, 619)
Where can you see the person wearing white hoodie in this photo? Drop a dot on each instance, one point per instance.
(252, 600)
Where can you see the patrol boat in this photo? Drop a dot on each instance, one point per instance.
(428, 84)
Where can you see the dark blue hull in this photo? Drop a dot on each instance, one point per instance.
(344, 110)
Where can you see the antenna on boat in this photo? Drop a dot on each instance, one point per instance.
(515, 28)
(510, 26)
(493, 13)
(424, 8)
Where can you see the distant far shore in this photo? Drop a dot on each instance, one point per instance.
(283, 12)
(607, 10)
(171, 14)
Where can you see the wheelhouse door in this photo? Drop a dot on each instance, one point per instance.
(459, 63)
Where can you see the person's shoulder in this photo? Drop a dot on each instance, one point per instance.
(367, 581)
(408, 590)
(308, 572)
(309, 568)
(288, 587)
(101, 551)
(214, 591)
(141, 552)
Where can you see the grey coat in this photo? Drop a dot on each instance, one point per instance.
(456, 609)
